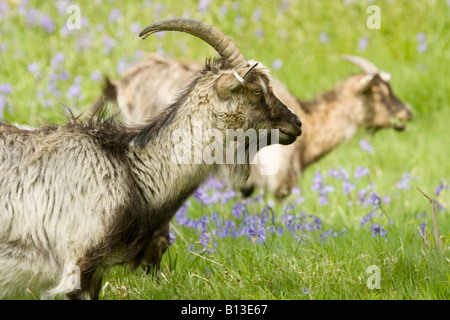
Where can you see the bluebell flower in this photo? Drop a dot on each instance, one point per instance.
(361, 172)
(257, 14)
(238, 209)
(365, 146)
(2, 105)
(96, 76)
(73, 91)
(172, 238)
(376, 229)
(323, 37)
(276, 64)
(223, 9)
(203, 5)
(422, 229)
(47, 23)
(404, 181)
(57, 59)
(114, 15)
(363, 43)
(367, 217)
(6, 88)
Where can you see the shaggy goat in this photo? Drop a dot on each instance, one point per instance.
(363, 100)
(80, 198)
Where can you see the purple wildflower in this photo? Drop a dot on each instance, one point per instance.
(440, 187)
(238, 209)
(374, 199)
(348, 186)
(296, 190)
(223, 9)
(362, 43)
(317, 181)
(285, 4)
(421, 37)
(257, 14)
(96, 76)
(378, 230)
(365, 146)
(32, 16)
(277, 63)
(422, 229)
(57, 60)
(361, 172)
(259, 33)
(109, 43)
(323, 37)
(73, 91)
(322, 189)
(4, 8)
(305, 291)
(404, 181)
(204, 239)
(135, 27)
(238, 21)
(422, 46)
(257, 233)
(172, 238)
(2, 105)
(114, 15)
(100, 27)
(203, 5)
(334, 173)
(47, 23)
(64, 75)
(5, 88)
(367, 218)
(122, 66)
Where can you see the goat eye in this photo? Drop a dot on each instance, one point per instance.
(256, 92)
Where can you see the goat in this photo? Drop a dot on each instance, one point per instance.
(79, 198)
(362, 100)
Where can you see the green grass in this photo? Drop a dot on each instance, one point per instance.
(281, 267)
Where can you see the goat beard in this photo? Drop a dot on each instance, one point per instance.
(239, 172)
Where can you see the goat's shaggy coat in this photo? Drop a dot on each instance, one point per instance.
(89, 195)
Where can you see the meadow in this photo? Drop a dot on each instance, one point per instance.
(357, 226)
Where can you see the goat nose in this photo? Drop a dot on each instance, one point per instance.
(297, 121)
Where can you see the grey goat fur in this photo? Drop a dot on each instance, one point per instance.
(79, 198)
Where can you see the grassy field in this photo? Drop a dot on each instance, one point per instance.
(320, 242)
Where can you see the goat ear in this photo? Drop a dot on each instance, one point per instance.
(226, 84)
(365, 83)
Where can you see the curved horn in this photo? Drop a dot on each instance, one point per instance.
(365, 65)
(214, 37)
